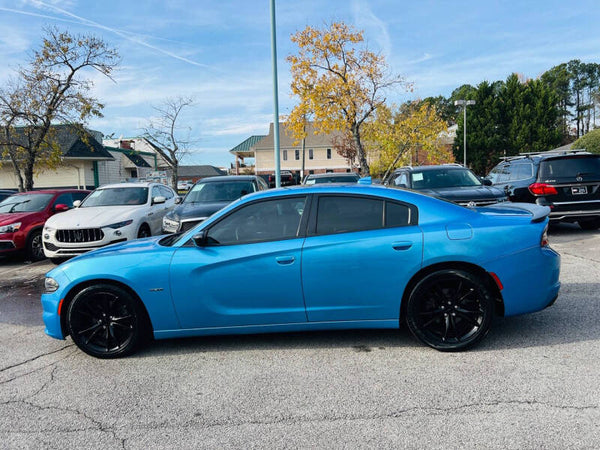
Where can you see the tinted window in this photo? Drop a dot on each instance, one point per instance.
(499, 174)
(521, 171)
(64, 199)
(269, 220)
(79, 195)
(567, 169)
(25, 203)
(396, 215)
(226, 191)
(337, 214)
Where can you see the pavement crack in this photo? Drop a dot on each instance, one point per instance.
(53, 363)
(3, 369)
(580, 257)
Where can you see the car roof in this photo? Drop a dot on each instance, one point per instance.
(540, 156)
(228, 178)
(433, 167)
(334, 174)
(144, 184)
(52, 191)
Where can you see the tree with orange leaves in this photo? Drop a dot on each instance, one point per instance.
(339, 85)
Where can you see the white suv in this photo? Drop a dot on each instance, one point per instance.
(111, 214)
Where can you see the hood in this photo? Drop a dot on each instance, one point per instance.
(191, 210)
(135, 246)
(8, 218)
(466, 193)
(93, 217)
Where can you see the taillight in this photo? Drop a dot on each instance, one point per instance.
(542, 189)
(545, 242)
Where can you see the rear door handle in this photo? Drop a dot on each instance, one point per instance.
(401, 245)
(284, 260)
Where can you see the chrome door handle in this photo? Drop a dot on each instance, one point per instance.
(284, 260)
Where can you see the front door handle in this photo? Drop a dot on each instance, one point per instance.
(285, 260)
(401, 245)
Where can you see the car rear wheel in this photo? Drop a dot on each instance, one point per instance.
(105, 321)
(450, 310)
(144, 232)
(590, 224)
(35, 247)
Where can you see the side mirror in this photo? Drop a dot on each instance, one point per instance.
(76, 203)
(158, 200)
(178, 200)
(60, 207)
(200, 238)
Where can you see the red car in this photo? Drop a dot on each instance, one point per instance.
(22, 218)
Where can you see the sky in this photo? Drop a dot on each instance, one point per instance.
(219, 52)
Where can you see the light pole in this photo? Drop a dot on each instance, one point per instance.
(275, 98)
(464, 104)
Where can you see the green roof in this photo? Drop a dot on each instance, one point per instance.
(247, 145)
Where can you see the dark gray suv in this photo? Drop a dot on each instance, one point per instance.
(566, 181)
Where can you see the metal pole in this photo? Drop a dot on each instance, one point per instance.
(465, 133)
(275, 99)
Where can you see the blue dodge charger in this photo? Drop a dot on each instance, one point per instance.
(312, 258)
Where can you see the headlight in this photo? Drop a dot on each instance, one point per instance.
(170, 224)
(10, 228)
(114, 226)
(50, 285)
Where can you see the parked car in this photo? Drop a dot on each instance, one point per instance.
(566, 181)
(110, 214)
(22, 217)
(287, 178)
(312, 258)
(208, 196)
(451, 182)
(6, 193)
(318, 178)
(184, 185)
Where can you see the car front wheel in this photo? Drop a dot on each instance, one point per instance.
(450, 310)
(105, 321)
(35, 247)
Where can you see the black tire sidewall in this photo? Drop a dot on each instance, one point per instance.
(487, 301)
(124, 296)
(29, 249)
(142, 228)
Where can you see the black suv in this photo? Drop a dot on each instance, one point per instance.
(451, 182)
(208, 196)
(566, 181)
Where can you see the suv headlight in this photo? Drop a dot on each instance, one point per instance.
(114, 226)
(50, 285)
(11, 228)
(170, 224)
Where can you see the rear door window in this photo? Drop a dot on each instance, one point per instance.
(570, 168)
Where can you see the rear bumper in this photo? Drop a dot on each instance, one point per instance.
(574, 215)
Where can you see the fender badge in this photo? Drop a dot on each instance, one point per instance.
(156, 289)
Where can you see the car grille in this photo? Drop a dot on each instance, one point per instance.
(82, 235)
(478, 202)
(188, 225)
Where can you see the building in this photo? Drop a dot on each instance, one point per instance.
(319, 153)
(80, 162)
(195, 173)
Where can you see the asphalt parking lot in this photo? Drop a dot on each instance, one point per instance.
(532, 383)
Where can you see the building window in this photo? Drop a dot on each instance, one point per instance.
(297, 155)
(285, 155)
(328, 153)
(310, 153)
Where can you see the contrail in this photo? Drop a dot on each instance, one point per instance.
(124, 35)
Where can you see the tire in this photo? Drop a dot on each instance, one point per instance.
(590, 224)
(144, 232)
(105, 321)
(35, 246)
(450, 310)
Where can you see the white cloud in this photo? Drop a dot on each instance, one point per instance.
(366, 19)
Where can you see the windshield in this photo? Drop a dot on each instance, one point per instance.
(25, 203)
(218, 192)
(333, 179)
(569, 168)
(116, 196)
(443, 178)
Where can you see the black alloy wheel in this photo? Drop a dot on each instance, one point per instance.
(105, 321)
(144, 232)
(35, 246)
(450, 310)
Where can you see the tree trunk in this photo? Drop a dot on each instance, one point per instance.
(29, 171)
(365, 171)
(174, 177)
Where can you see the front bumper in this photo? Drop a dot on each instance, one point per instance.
(56, 249)
(7, 246)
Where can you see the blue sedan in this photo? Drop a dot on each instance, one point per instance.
(312, 258)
